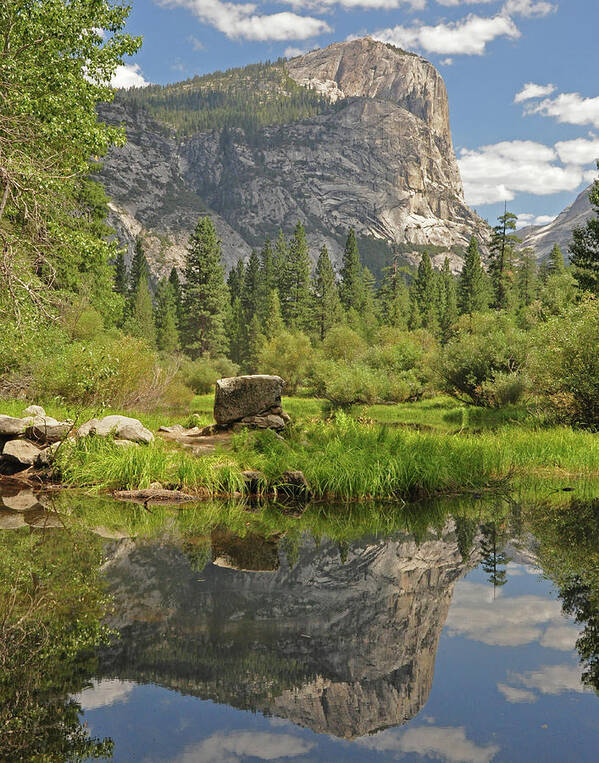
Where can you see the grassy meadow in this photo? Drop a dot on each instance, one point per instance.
(384, 452)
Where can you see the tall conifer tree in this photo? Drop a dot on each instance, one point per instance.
(205, 294)
(139, 267)
(140, 322)
(327, 306)
(121, 285)
(251, 291)
(426, 293)
(175, 283)
(165, 318)
(584, 249)
(526, 278)
(351, 288)
(295, 297)
(472, 288)
(501, 267)
(273, 322)
(449, 308)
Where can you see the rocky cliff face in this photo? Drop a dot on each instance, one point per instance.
(379, 159)
(341, 641)
(542, 238)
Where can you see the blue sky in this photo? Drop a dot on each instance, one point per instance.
(533, 147)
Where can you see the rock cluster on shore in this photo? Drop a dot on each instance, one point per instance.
(32, 441)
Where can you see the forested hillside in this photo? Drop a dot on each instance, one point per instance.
(248, 97)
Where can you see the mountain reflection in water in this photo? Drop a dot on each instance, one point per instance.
(326, 627)
(343, 646)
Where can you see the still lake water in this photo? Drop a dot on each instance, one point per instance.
(444, 642)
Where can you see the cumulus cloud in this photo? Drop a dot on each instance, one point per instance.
(552, 679)
(525, 219)
(241, 21)
(447, 743)
(503, 621)
(568, 108)
(128, 76)
(532, 90)
(468, 36)
(513, 694)
(292, 52)
(232, 747)
(529, 8)
(579, 151)
(415, 5)
(104, 693)
(561, 637)
(497, 172)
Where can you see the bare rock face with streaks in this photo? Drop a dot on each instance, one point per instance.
(380, 159)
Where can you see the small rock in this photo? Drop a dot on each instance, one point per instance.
(9, 426)
(126, 444)
(255, 481)
(122, 427)
(294, 483)
(11, 520)
(22, 501)
(34, 410)
(276, 410)
(21, 451)
(155, 486)
(174, 428)
(48, 433)
(104, 532)
(286, 417)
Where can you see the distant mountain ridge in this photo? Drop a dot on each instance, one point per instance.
(353, 135)
(542, 238)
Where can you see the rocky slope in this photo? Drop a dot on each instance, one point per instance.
(380, 158)
(542, 238)
(342, 641)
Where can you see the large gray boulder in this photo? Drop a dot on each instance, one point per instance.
(122, 427)
(48, 433)
(34, 410)
(238, 397)
(21, 452)
(9, 426)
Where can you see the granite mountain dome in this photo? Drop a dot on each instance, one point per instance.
(356, 134)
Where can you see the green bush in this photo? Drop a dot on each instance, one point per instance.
(287, 355)
(200, 375)
(112, 370)
(483, 363)
(565, 364)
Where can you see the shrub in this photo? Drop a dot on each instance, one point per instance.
(343, 343)
(288, 355)
(565, 364)
(482, 364)
(200, 375)
(112, 370)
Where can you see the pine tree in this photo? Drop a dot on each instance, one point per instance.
(120, 274)
(140, 322)
(394, 297)
(449, 308)
(268, 273)
(255, 345)
(584, 249)
(501, 267)
(327, 306)
(426, 293)
(251, 289)
(472, 290)
(273, 321)
(527, 281)
(295, 297)
(139, 267)
(237, 332)
(175, 283)
(165, 318)
(555, 262)
(280, 255)
(351, 288)
(235, 280)
(414, 315)
(205, 294)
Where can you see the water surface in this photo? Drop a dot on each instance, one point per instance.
(440, 636)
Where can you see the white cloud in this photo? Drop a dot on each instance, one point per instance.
(104, 693)
(415, 5)
(590, 176)
(497, 172)
(469, 36)
(529, 8)
(568, 108)
(512, 694)
(195, 43)
(240, 20)
(503, 621)
(525, 219)
(128, 76)
(446, 62)
(552, 679)
(562, 637)
(292, 52)
(445, 743)
(231, 747)
(532, 90)
(579, 151)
